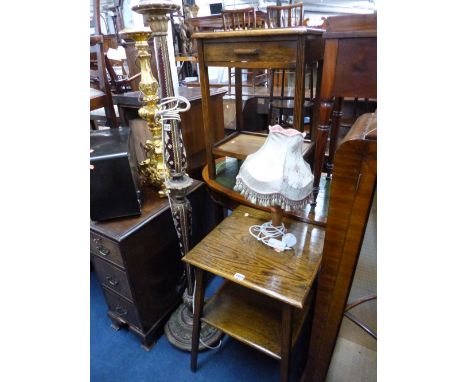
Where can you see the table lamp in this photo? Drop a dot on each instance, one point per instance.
(277, 176)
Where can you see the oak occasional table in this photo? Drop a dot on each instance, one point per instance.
(266, 294)
(283, 48)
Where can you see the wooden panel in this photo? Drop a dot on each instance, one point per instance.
(112, 277)
(255, 33)
(245, 144)
(276, 53)
(354, 183)
(250, 317)
(356, 68)
(105, 248)
(286, 276)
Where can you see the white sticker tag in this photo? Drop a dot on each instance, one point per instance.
(239, 276)
(167, 127)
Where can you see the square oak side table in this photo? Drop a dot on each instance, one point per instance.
(266, 294)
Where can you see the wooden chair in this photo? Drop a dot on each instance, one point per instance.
(237, 19)
(285, 16)
(100, 94)
(242, 19)
(120, 83)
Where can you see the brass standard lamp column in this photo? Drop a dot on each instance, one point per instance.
(152, 169)
(179, 327)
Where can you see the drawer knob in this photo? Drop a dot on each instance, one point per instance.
(246, 52)
(111, 281)
(103, 251)
(120, 310)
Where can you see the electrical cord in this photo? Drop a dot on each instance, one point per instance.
(172, 114)
(268, 234)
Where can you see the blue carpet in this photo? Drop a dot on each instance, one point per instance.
(116, 356)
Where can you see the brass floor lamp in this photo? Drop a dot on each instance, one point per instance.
(162, 115)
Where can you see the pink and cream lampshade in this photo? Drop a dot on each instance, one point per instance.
(277, 176)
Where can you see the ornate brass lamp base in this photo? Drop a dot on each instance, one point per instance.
(178, 329)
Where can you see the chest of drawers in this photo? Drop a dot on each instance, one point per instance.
(137, 261)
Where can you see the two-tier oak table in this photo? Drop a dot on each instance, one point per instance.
(266, 294)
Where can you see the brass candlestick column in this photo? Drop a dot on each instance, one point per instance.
(179, 327)
(152, 169)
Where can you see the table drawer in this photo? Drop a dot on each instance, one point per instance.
(106, 249)
(121, 307)
(112, 277)
(274, 54)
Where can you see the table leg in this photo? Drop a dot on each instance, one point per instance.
(335, 129)
(206, 109)
(321, 138)
(198, 305)
(299, 86)
(238, 87)
(286, 330)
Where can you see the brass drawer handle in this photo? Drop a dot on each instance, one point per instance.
(121, 311)
(247, 52)
(103, 251)
(111, 281)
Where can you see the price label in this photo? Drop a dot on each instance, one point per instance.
(239, 276)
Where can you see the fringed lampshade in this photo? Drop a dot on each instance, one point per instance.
(277, 176)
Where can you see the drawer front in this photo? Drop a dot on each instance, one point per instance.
(273, 54)
(121, 307)
(112, 277)
(106, 249)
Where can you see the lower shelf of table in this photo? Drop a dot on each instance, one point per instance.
(250, 317)
(240, 145)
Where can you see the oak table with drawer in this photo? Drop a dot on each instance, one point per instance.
(266, 296)
(137, 261)
(283, 48)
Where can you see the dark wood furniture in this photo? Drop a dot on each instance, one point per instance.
(191, 121)
(266, 295)
(100, 94)
(352, 193)
(349, 70)
(137, 261)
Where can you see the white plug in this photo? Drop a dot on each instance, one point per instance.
(289, 240)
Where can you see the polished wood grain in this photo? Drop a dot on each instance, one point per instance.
(352, 192)
(285, 276)
(251, 318)
(258, 32)
(241, 145)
